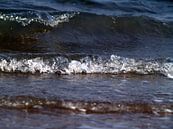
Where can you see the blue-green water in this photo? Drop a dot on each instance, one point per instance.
(86, 64)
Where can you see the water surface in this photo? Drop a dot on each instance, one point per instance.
(86, 64)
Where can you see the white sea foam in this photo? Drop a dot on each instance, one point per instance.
(50, 20)
(112, 65)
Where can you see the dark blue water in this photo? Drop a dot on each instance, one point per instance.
(86, 64)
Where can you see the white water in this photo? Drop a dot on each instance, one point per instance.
(49, 20)
(89, 65)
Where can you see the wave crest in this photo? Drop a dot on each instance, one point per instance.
(26, 18)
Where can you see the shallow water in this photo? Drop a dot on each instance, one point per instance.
(85, 101)
(86, 64)
(17, 119)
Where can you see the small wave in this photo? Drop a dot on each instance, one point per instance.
(26, 18)
(81, 33)
(29, 102)
(87, 65)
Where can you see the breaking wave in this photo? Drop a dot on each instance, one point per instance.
(86, 65)
(26, 18)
